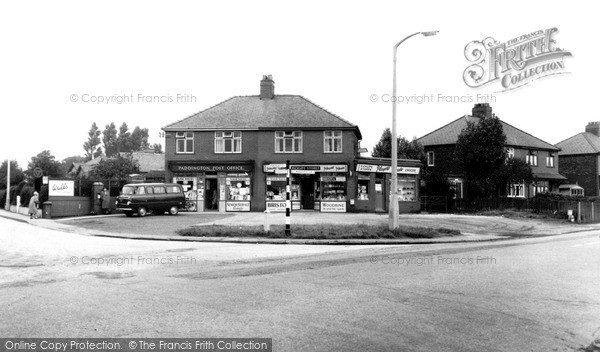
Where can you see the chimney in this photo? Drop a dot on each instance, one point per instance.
(482, 110)
(593, 128)
(267, 87)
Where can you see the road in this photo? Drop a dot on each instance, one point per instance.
(536, 294)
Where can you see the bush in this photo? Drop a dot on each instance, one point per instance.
(26, 194)
(2, 198)
(44, 194)
(13, 195)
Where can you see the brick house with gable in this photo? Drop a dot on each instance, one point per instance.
(439, 146)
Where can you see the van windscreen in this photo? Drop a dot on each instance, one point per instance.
(128, 190)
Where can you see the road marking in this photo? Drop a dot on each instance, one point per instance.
(586, 244)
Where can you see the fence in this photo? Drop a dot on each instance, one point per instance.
(585, 211)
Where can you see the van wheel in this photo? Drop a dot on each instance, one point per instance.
(173, 210)
(128, 214)
(142, 212)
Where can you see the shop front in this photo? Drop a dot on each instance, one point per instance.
(317, 187)
(222, 186)
(373, 187)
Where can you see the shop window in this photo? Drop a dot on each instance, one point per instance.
(363, 190)
(550, 160)
(228, 142)
(516, 190)
(430, 159)
(532, 158)
(276, 186)
(406, 189)
(288, 142)
(333, 141)
(333, 187)
(238, 188)
(185, 142)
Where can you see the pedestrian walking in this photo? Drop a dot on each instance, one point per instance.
(33, 206)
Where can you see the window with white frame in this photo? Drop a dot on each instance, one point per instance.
(228, 142)
(541, 187)
(516, 190)
(532, 158)
(288, 141)
(550, 160)
(184, 142)
(510, 152)
(333, 141)
(430, 159)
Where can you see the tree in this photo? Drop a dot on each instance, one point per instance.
(92, 145)
(46, 161)
(481, 152)
(117, 168)
(109, 138)
(16, 173)
(124, 139)
(406, 149)
(157, 148)
(514, 171)
(139, 139)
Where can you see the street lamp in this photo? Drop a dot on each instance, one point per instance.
(393, 208)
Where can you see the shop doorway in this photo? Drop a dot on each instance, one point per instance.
(307, 186)
(211, 199)
(379, 195)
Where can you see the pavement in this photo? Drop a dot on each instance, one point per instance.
(473, 228)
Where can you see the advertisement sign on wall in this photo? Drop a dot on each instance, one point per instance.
(237, 206)
(333, 207)
(61, 188)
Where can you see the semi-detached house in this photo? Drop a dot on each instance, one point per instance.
(232, 157)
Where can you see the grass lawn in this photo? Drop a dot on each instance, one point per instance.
(319, 232)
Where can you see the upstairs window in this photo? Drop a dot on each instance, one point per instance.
(228, 142)
(185, 142)
(550, 160)
(532, 158)
(430, 159)
(333, 141)
(288, 142)
(510, 153)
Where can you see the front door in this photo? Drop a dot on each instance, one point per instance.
(211, 196)
(379, 196)
(307, 187)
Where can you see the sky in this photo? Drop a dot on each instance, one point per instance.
(167, 60)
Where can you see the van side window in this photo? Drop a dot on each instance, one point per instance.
(149, 190)
(140, 190)
(173, 189)
(159, 189)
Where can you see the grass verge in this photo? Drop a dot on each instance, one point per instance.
(325, 232)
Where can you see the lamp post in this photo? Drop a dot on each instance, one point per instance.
(7, 205)
(393, 208)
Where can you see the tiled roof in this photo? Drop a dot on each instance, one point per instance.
(253, 113)
(148, 161)
(581, 143)
(448, 134)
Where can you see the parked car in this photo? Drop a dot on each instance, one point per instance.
(142, 198)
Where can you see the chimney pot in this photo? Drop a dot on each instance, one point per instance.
(267, 87)
(482, 110)
(593, 128)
